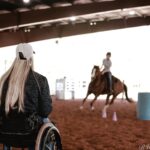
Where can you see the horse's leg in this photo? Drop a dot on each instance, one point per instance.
(113, 98)
(107, 99)
(81, 107)
(91, 104)
(106, 103)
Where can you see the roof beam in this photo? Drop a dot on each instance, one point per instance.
(37, 16)
(37, 34)
(10, 1)
(8, 5)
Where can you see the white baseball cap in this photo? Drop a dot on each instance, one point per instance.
(25, 50)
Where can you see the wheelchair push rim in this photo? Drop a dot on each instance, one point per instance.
(51, 138)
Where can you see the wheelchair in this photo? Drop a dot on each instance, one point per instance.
(47, 137)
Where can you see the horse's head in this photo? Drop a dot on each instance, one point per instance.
(95, 72)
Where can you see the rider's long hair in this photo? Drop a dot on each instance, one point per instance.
(17, 75)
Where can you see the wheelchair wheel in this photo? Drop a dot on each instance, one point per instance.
(48, 138)
(51, 141)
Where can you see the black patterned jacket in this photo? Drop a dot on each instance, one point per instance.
(37, 97)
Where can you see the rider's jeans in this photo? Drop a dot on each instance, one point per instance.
(109, 80)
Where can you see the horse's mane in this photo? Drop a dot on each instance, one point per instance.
(97, 77)
(96, 67)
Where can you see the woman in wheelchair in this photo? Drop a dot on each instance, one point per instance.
(24, 103)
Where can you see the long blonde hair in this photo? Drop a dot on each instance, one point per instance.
(17, 74)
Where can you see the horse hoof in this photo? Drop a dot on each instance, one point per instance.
(81, 107)
(92, 108)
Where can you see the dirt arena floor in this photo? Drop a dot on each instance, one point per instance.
(87, 130)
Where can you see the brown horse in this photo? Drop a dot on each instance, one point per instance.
(98, 86)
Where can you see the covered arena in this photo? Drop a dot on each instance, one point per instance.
(69, 37)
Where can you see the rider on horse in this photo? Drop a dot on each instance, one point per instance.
(106, 71)
(100, 86)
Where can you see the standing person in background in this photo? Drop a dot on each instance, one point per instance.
(106, 65)
(23, 91)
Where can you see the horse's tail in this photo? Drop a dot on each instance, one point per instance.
(126, 93)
